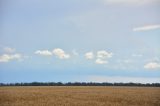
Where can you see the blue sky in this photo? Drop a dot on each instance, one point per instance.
(80, 40)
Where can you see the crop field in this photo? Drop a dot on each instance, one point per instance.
(79, 96)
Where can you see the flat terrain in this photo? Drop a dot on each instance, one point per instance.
(79, 96)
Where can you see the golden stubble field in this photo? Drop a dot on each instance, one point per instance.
(79, 96)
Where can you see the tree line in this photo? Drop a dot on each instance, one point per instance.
(80, 84)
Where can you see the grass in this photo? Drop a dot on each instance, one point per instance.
(79, 96)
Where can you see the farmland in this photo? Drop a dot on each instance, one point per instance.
(79, 96)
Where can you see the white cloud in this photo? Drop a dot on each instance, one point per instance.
(104, 54)
(147, 27)
(152, 65)
(101, 56)
(100, 61)
(60, 53)
(43, 52)
(123, 79)
(89, 55)
(9, 50)
(7, 57)
(130, 2)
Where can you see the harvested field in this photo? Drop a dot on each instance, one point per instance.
(79, 96)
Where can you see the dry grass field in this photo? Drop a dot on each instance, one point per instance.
(79, 96)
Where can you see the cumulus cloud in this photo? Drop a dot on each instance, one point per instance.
(130, 2)
(43, 52)
(60, 53)
(89, 55)
(152, 65)
(147, 27)
(101, 56)
(8, 57)
(9, 50)
(100, 61)
(104, 54)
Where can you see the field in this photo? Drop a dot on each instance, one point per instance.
(79, 96)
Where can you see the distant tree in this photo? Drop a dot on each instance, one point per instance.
(79, 84)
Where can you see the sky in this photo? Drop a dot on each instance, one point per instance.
(80, 40)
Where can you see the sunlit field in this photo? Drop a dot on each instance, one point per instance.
(79, 96)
